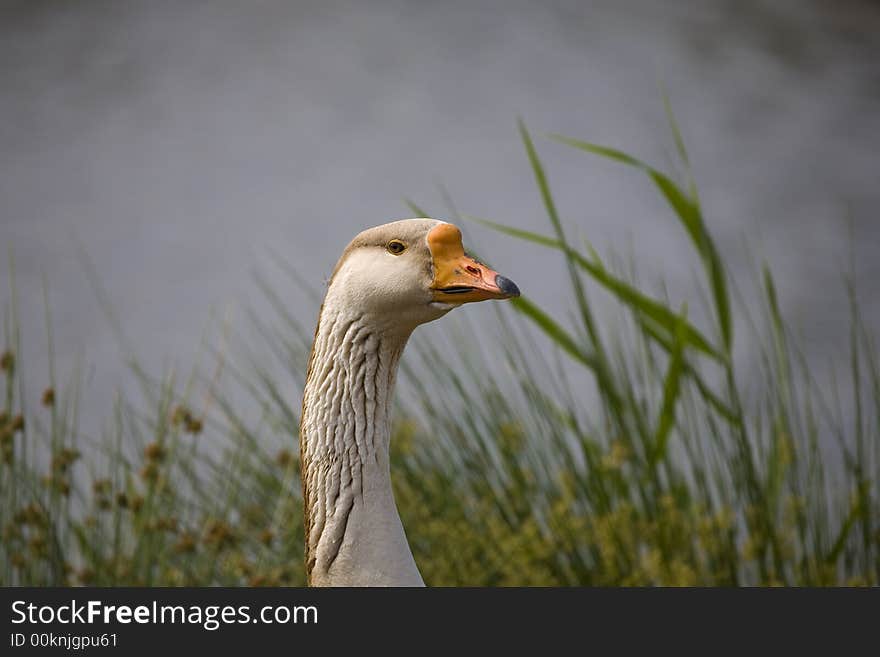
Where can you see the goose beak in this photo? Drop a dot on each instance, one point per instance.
(458, 278)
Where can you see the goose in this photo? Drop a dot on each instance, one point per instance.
(389, 280)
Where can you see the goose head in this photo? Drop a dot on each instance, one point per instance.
(413, 271)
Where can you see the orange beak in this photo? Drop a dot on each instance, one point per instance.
(458, 278)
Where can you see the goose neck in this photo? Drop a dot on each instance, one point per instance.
(353, 531)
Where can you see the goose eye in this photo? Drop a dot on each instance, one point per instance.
(395, 247)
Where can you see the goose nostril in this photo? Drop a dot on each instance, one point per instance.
(474, 270)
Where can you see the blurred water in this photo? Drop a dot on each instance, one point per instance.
(179, 144)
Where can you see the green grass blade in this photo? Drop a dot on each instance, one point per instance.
(625, 292)
(652, 331)
(720, 294)
(526, 235)
(855, 511)
(673, 126)
(671, 391)
(647, 306)
(541, 179)
(603, 151)
(687, 209)
(553, 330)
(550, 206)
(602, 369)
(416, 209)
(679, 143)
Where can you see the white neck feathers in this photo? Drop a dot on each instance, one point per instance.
(354, 536)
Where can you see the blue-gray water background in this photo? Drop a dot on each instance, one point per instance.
(179, 144)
